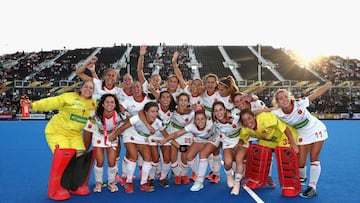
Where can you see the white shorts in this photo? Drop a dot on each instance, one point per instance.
(317, 135)
(203, 140)
(155, 137)
(226, 141)
(185, 139)
(98, 139)
(130, 135)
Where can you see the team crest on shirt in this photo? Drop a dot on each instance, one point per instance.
(264, 132)
(300, 139)
(186, 119)
(215, 100)
(299, 111)
(98, 141)
(168, 114)
(89, 126)
(234, 126)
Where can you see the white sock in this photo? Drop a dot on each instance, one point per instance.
(146, 167)
(98, 174)
(302, 172)
(164, 170)
(192, 164)
(211, 162)
(217, 165)
(117, 164)
(270, 169)
(203, 163)
(238, 178)
(111, 172)
(184, 169)
(315, 170)
(130, 169)
(175, 167)
(153, 170)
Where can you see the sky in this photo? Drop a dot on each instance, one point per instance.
(311, 28)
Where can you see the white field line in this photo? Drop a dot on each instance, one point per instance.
(253, 194)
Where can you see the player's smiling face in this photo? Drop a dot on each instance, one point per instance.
(165, 99)
(283, 99)
(109, 104)
(210, 84)
(219, 112)
(248, 120)
(87, 89)
(200, 120)
(183, 101)
(152, 114)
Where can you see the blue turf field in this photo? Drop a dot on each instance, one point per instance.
(25, 163)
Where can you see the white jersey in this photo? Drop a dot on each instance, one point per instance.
(179, 121)
(197, 100)
(122, 95)
(201, 135)
(138, 133)
(101, 132)
(175, 94)
(257, 105)
(208, 101)
(133, 107)
(99, 90)
(165, 117)
(227, 102)
(145, 87)
(309, 128)
(227, 133)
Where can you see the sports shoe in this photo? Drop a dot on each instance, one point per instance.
(97, 187)
(113, 187)
(210, 175)
(193, 177)
(230, 181)
(303, 181)
(309, 192)
(177, 180)
(82, 190)
(164, 183)
(128, 187)
(151, 182)
(60, 194)
(235, 190)
(119, 179)
(215, 179)
(185, 180)
(146, 187)
(271, 183)
(243, 181)
(197, 186)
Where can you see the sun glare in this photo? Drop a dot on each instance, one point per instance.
(306, 57)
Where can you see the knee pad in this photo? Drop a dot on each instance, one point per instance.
(257, 165)
(288, 170)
